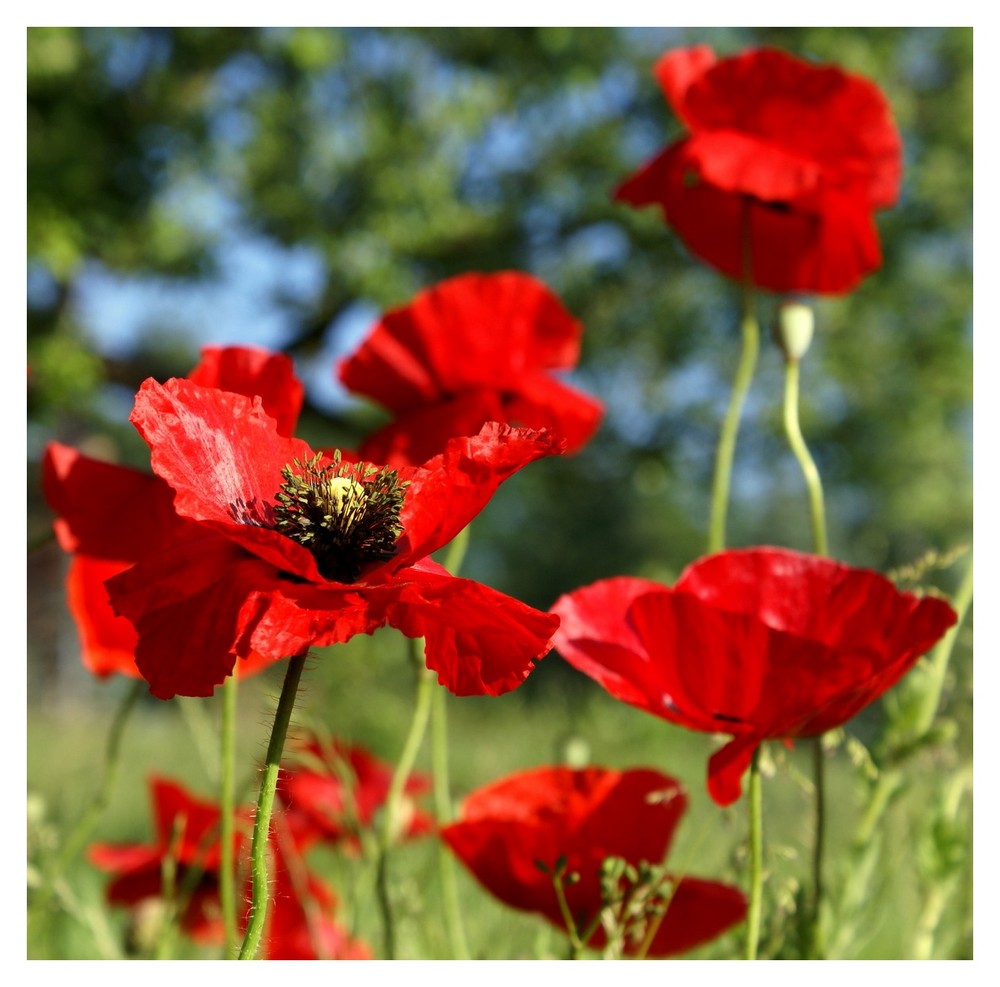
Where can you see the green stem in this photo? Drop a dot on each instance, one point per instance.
(442, 807)
(819, 780)
(813, 483)
(756, 858)
(750, 333)
(227, 799)
(427, 681)
(814, 486)
(456, 551)
(83, 829)
(576, 942)
(942, 654)
(442, 788)
(265, 804)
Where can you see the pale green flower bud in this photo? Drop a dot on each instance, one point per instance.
(793, 329)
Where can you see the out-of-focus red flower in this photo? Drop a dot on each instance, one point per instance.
(476, 348)
(515, 833)
(756, 643)
(300, 923)
(300, 917)
(285, 549)
(187, 832)
(792, 157)
(110, 516)
(334, 790)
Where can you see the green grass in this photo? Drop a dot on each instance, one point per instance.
(363, 692)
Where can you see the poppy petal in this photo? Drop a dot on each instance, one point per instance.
(479, 641)
(251, 371)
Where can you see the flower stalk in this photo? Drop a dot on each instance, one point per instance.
(726, 450)
(814, 485)
(227, 809)
(794, 332)
(750, 335)
(756, 858)
(81, 833)
(265, 805)
(404, 767)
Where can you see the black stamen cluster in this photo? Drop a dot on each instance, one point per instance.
(346, 514)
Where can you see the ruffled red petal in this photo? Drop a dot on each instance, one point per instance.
(794, 155)
(251, 371)
(509, 323)
(448, 491)
(193, 607)
(421, 433)
(107, 511)
(472, 349)
(596, 639)
(840, 120)
(479, 641)
(677, 70)
(222, 455)
(825, 241)
(107, 641)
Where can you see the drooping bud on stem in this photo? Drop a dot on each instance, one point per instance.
(793, 329)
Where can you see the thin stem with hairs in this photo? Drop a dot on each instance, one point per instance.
(265, 805)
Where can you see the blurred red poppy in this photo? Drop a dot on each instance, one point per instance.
(515, 834)
(789, 156)
(756, 643)
(473, 349)
(332, 791)
(109, 516)
(284, 549)
(300, 922)
(300, 919)
(187, 832)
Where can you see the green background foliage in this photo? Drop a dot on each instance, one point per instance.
(383, 160)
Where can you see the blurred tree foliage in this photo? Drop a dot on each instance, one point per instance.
(398, 157)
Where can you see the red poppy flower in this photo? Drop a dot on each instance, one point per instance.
(110, 516)
(799, 155)
(515, 833)
(290, 549)
(473, 349)
(756, 643)
(335, 789)
(187, 832)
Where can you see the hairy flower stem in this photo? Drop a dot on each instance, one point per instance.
(81, 833)
(265, 804)
(756, 857)
(227, 808)
(750, 333)
(426, 682)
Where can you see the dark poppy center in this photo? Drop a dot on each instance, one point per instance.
(346, 514)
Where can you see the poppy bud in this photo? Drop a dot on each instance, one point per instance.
(793, 329)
